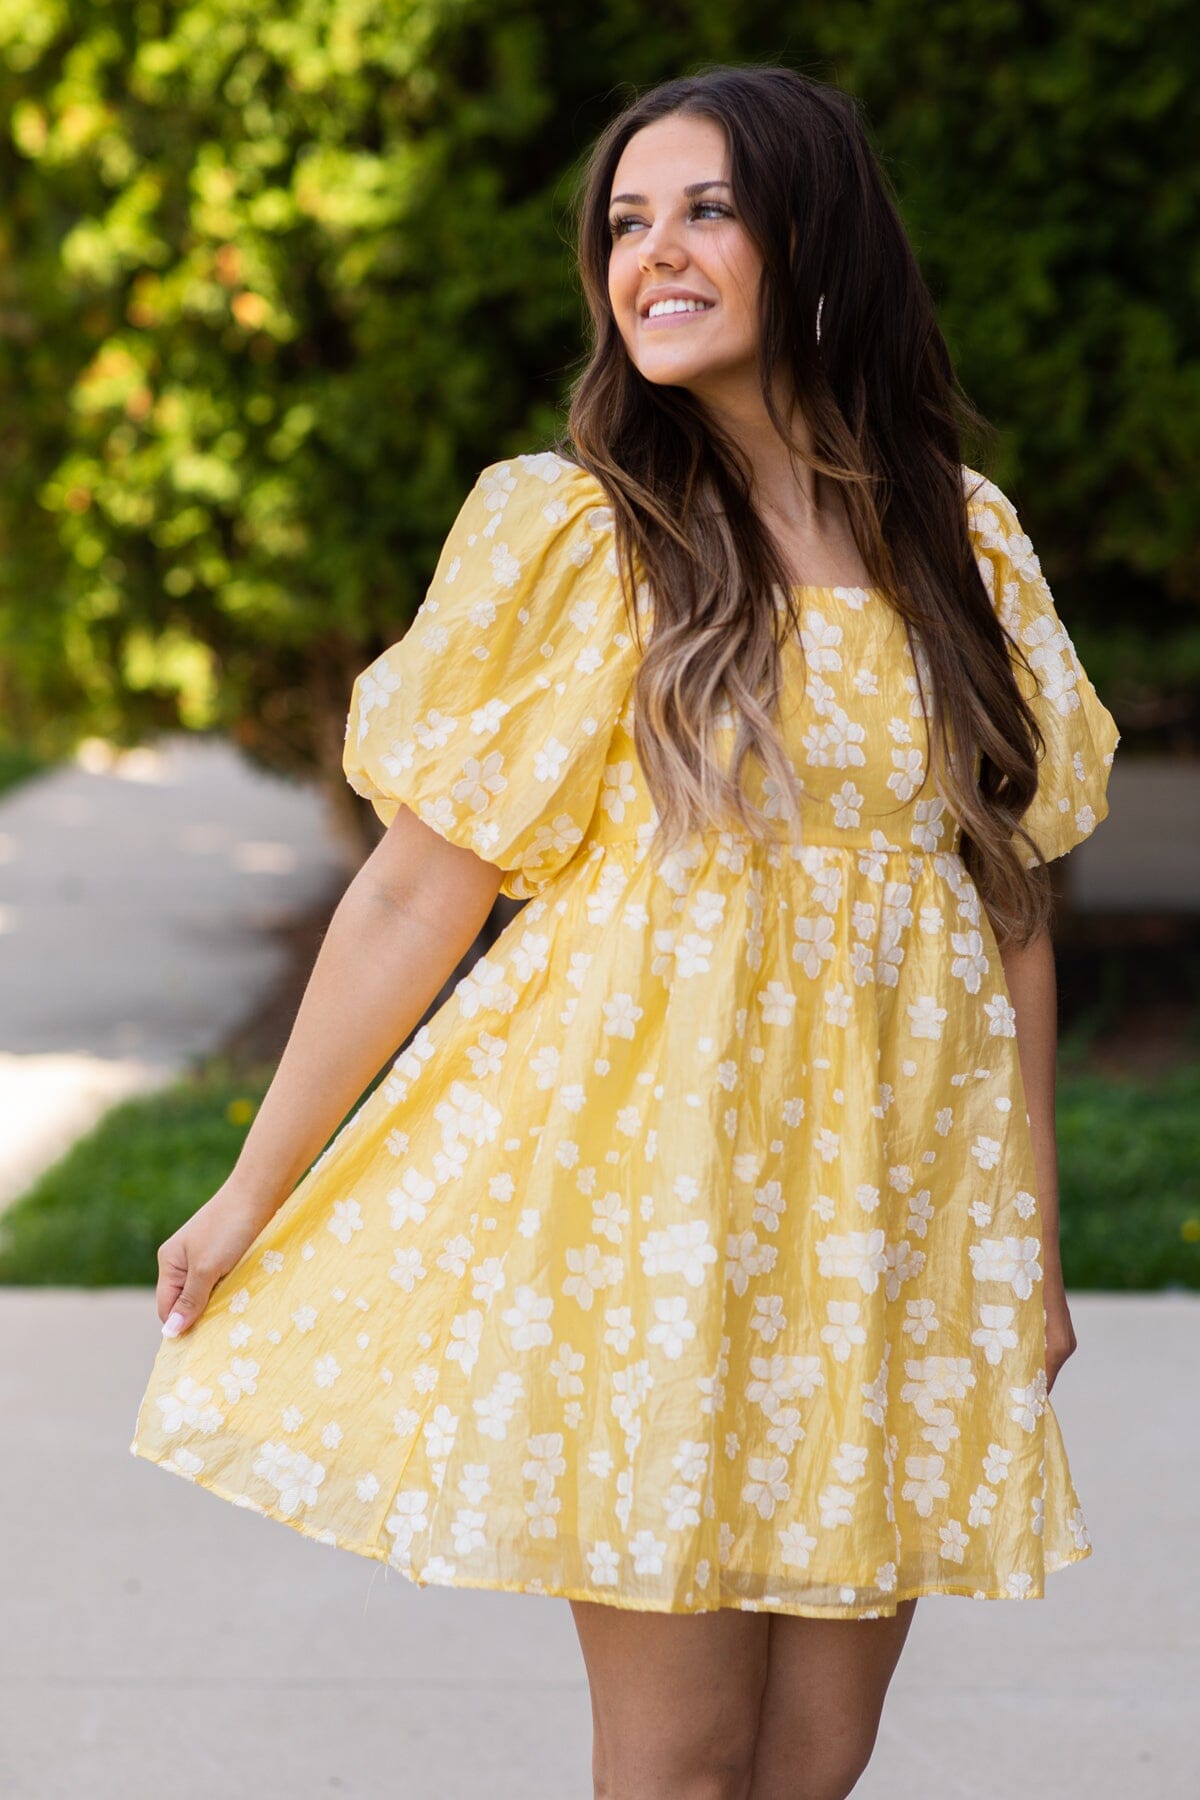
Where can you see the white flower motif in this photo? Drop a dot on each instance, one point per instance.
(926, 1017)
(838, 1003)
(186, 1407)
(527, 1318)
(847, 807)
(843, 1330)
(836, 1505)
(820, 640)
(925, 1483)
(836, 742)
(347, 1219)
(814, 944)
(995, 1334)
(767, 1486)
(1002, 1016)
(1010, 1259)
(986, 1151)
(590, 1272)
(908, 773)
(796, 1545)
(621, 1014)
(778, 1004)
(857, 1254)
(682, 1249)
(970, 964)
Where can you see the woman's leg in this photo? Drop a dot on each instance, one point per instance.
(826, 1682)
(675, 1700)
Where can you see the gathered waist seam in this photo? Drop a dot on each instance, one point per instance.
(784, 853)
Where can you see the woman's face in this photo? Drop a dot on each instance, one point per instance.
(675, 237)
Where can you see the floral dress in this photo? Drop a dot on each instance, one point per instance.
(690, 1255)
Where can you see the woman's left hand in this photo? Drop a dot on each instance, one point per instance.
(1060, 1333)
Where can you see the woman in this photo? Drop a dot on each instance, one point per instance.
(698, 1260)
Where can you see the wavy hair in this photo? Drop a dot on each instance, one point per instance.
(881, 401)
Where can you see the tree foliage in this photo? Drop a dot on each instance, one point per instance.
(276, 280)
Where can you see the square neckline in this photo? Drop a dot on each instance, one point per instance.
(836, 587)
(802, 587)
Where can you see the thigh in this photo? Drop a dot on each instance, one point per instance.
(675, 1696)
(825, 1688)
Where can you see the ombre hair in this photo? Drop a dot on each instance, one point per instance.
(881, 401)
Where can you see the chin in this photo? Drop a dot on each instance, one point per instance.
(677, 376)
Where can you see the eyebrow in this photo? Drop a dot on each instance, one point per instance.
(695, 187)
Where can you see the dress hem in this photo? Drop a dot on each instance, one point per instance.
(496, 1584)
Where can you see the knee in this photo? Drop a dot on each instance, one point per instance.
(830, 1775)
(850, 1765)
(680, 1771)
(839, 1782)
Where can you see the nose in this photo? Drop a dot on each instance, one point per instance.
(660, 248)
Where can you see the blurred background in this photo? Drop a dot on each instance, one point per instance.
(275, 282)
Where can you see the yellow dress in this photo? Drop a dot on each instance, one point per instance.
(689, 1256)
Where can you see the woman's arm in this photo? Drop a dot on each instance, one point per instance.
(1029, 972)
(404, 923)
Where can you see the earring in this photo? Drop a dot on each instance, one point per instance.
(820, 304)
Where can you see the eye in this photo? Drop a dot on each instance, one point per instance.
(619, 223)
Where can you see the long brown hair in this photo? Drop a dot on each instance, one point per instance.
(885, 411)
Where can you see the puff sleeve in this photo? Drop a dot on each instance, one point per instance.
(1080, 735)
(492, 716)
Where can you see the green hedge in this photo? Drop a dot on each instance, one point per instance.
(276, 281)
(1130, 1179)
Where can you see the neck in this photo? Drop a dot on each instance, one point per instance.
(780, 483)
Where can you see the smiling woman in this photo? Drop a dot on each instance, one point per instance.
(697, 1262)
(749, 457)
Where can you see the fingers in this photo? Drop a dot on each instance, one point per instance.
(183, 1289)
(187, 1308)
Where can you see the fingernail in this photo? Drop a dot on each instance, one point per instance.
(173, 1325)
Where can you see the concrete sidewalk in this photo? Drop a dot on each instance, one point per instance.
(1146, 855)
(159, 1641)
(140, 898)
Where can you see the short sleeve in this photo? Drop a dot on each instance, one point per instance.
(492, 716)
(1079, 732)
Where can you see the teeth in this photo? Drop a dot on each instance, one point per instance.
(672, 306)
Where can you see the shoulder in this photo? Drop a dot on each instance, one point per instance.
(989, 510)
(1003, 549)
(993, 520)
(533, 538)
(527, 574)
(539, 503)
